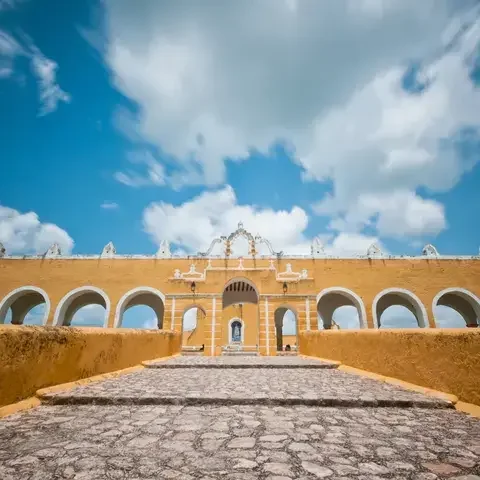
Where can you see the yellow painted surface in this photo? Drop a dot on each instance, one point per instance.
(424, 277)
(13, 408)
(32, 358)
(445, 360)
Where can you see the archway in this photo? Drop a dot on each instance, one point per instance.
(333, 301)
(397, 298)
(464, 305)
(240, 303)
(21, 302)
(286, 328)
(78, 299)
(193, 326)
(145, 297)
(239, 291)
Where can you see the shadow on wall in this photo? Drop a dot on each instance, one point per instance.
(441, 359)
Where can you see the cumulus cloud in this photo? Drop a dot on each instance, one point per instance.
(154, 174)
(23, 233)
(44, 69)
(211, 81)
(195, 223)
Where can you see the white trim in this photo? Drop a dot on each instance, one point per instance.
(172, 318)
(242, 333)
(214, 307)
(267, 336)
(421, 312)
(474, 300)
(307, 313)
(72, 295)
(10, 298)
(132, 293)
(351, 295)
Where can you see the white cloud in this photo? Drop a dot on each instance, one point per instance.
(43, 68)
(24, 233)
(89, 316)
(190, 319)
(212, 80)
(150, 323)
(155, 174)
(9, 4)
(195, 223)
(109, 205)
(446, 317)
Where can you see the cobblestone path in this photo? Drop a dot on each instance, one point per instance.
(238, 441)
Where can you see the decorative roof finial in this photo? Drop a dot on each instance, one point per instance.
(108, 251)
(430, 251)
(53, 251)
(240, 225)
(2, 250)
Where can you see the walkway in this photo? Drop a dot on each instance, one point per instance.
(232, 418)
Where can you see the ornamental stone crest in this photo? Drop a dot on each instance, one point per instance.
(2, 250)
(53, 251)
(164, 250)
(429, 251)
(374, 251)
(109, 250)
(317, 248)
(228, 242)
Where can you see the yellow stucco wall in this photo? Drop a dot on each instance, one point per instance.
(443, 359)
(37, 357)
(425, 277)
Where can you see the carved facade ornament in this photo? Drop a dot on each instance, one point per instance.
(290, 276)
(240, 264)
(191, 276)
(53, 251)
(317, 248)
(2, 250)
(164, 250)
(429, 251)
(228, 242)
(108, 250)
(374, 251)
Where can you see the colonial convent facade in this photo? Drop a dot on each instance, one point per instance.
(241, 300)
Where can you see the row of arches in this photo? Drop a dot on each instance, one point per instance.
(31, 305)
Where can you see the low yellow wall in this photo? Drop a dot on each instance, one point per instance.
(37, 357)
(442, 359)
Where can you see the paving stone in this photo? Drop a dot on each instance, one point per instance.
(241, 361)
(230, 387)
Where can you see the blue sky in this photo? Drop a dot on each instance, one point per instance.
(132, 122)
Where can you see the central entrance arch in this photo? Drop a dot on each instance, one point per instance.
(240, 300)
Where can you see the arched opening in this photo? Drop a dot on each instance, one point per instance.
(405, 310)
(239, 291)
(286, 329)
(147, 303)
(193, 327)
(456, 308)
(84, 306)
(338, 307)
(25, 305)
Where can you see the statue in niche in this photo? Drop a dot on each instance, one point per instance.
(236, 332)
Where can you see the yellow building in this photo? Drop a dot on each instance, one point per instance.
(241, 301)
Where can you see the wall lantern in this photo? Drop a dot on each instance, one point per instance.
(285, 287)
(193, 287)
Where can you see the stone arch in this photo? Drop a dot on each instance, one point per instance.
(231, 323)
(331, 298)
(462, 301)
(79, 298)
(279, 316)
(148, 296)
(399, 296)
(21, 301)
(239, 290)
(195, 336)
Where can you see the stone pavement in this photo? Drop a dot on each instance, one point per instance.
(238, 441)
